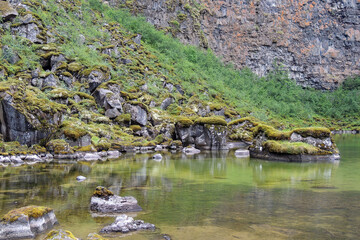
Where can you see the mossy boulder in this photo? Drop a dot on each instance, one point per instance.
(7, 12)
(59, 146)
(26, 222)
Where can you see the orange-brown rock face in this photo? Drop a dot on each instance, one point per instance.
(317, 42)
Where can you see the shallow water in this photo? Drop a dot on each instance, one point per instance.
(210, 196)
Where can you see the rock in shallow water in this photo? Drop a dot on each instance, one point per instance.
(125, 224)
(80, 178)
(105, 201)
(26, 222)
(157, 157)
(60, 235)
(191, 151)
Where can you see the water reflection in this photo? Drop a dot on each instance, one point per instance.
(246, 198)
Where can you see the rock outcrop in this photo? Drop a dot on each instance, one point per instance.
(26, 222)
(317, 42)
(125, 224)
(208, 133)
(104, 201)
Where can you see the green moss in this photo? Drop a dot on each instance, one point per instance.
(242, 120)
(72, 130)
(123, 118)
(58, 146)
(60, 234)
(181, 16)
(215, 120)
(292, 148)
(316, 132)
(88, 148)
(102, 192)
(135, 128)
(159, 139)
(103, 144)
(271, 133)
(74, 67)
(30, 211)
(38, 149)
(184, 121)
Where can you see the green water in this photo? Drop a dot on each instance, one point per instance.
(211, 196)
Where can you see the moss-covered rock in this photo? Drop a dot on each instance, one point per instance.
(60, 234)
(102, 192)
(293, 148)
(29, 211)
(59, 146)
(215, 120)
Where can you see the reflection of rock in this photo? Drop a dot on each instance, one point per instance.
(26, 222)
(60, 235)
(191, 151)
(105, 201)
(125, 224)
(242, 153)
(157, 157)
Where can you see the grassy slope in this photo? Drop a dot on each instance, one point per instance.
(274, 99)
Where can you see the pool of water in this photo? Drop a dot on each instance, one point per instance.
(207, 196)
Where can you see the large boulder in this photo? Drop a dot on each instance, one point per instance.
(138, 113)
(208, 133)
(15, 126)
(26, 222)
(125, 224)
(7, 12)
(104, 201)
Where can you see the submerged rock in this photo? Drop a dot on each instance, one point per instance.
(125, 224)
(95, 236)
(26, 222)
(191, 151)
(157, 157)
(60, 235)
(80, 178)
(104, 201)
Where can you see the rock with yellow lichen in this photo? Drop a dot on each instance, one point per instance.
(26, 222)
(60, 235)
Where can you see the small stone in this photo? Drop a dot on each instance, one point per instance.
(157, 157)
(80, 178)
(33, 158)
(60, 234)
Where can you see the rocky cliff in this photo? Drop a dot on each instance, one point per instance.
(317, 42)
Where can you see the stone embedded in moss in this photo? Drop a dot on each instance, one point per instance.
(215, 120)
(102, 192)
(29, 211)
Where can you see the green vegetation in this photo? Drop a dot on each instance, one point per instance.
(293, 148)
(215, 120)
(274, 97)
